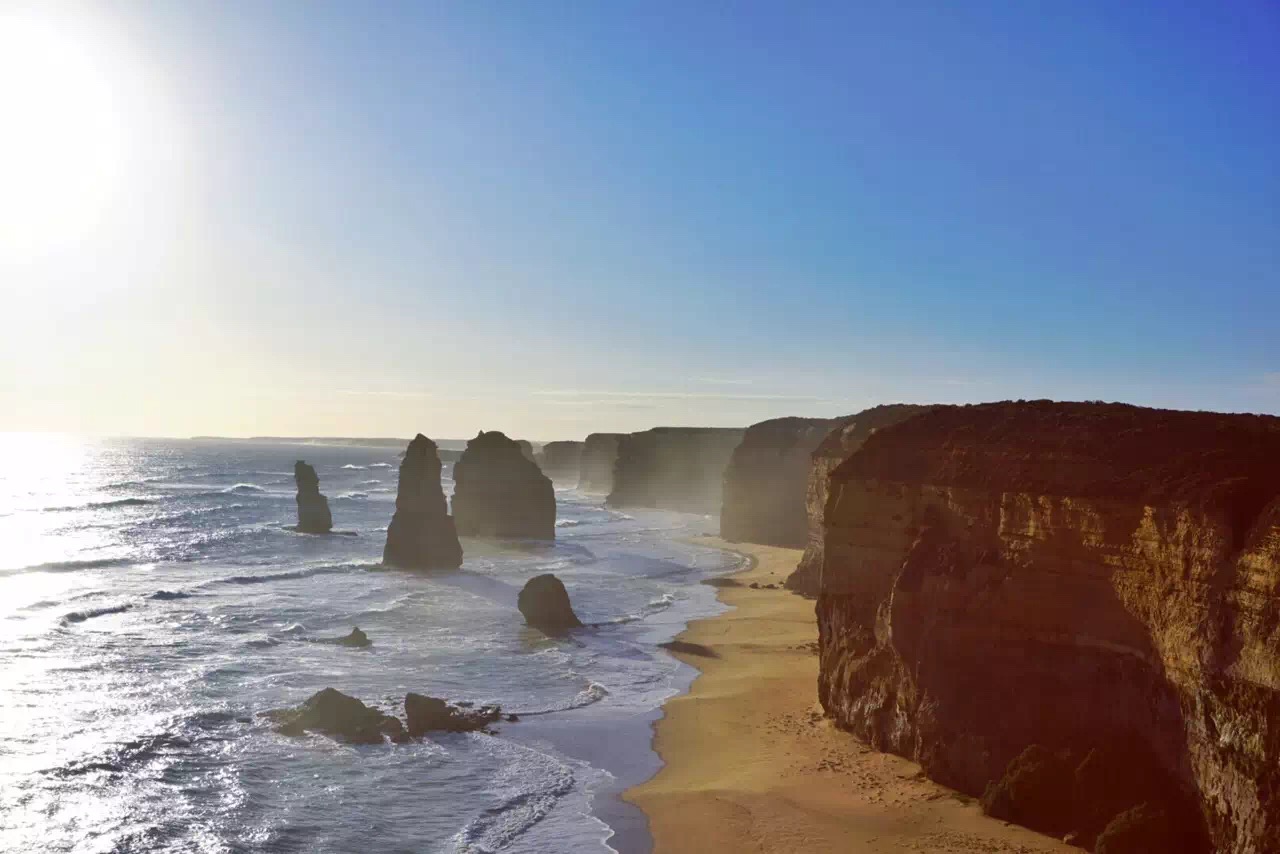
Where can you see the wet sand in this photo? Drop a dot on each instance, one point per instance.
(752, 765)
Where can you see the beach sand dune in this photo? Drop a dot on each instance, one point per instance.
(751, 764)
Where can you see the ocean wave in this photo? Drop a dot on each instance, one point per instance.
(70, 565)
(81, 616)
(380, 465)
(101, 505)
(353, 467)
(177, 739)
(269, 577)
(373, 482)
(592, 694)
(244, 487)
(568, 523)
(352, 496)
(535, 782)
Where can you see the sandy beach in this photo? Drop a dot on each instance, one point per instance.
(752, 765)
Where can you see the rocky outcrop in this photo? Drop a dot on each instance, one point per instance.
(526, 449)
(1097, 580)
(599, 453)
(545, 605)
(421, 534)
(313, 508)
(674, 468)
(845, 437)
(499, 492)
(431, 714)
(335, 714)
(561, 460)
(765, 482)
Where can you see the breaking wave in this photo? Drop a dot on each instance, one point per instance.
(81, 616)
(534, 783)
(101, 505)
(69, 565)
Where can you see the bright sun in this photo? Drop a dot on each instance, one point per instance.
(64, 128)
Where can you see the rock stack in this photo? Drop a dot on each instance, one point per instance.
(500, 492)
(599, 453)
(313, 508)
(674, 468)
(545, 605)
(561, 461)
(421, 534)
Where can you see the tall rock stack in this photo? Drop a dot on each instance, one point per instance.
(765, 482)
(313, 508)
(1012, 586)
(561, 461)
(499, 492)
(846, 437)
(599, 453)
(674, 468)
(421, 534)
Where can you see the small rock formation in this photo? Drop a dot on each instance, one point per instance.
(356, 639)
(674, 468)
(1097, 580)
(561, 460)
(313, 508)
(545, 605)
(599, 453)
(421, 534)
(846, 437)
(335, 714)
(765, 482)
(431, 714)
(499, 492)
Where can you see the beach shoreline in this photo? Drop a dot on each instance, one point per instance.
(751, 764)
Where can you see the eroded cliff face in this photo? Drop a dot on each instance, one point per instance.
(839, 442)
(766, 480)
(599, 453)
(561, 460)
(675, 468)
(1083, 577)
(498, 491)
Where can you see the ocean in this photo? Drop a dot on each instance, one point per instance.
(153, 602)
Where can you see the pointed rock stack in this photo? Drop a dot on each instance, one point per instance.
(421, 534)
(313, 508)
(499, 492)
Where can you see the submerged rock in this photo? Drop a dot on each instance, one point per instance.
(335, 714)
(545, 605)
(356, 639)
(595, 468)
(313, 508)
(421, 534)
(431, 714)
(499, 492)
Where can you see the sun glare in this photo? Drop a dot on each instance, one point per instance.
(64, 129)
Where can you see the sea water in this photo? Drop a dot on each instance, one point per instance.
(153, 601)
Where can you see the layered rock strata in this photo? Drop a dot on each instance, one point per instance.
(1090, 579)
(765, 482)
(561, 460)
(674, 468)
(313, 508)
(421, 534)
(599, 453)
(499, 492)
(843, 439)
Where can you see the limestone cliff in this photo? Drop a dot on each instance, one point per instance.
(765, 482)
(313, 508)
(1096, 580)
(561, 460)
(844, 438)
(500, 492)
(675, 468)
(599, 453)
(421, 534)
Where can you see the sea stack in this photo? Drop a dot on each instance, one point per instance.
(561, 461)
(313, 508)
(499, 492)
(1011, 588)
(421, 534)
(844, 438)
(765, 482)
(595, 470)
(545, 605)
(674, 468)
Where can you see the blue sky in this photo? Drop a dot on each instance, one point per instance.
(555, 217)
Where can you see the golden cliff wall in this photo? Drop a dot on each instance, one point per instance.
(1077, 576)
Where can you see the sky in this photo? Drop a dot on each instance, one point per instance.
(554, 218)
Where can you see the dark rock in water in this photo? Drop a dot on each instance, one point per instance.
(512, 719)
(561, 460)
(313, 508)
(421, 534)
(545, 605)
(335, 714)
(431, 714)
(673, 468)
(499, 492)
(356, 639)
(599, 454)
